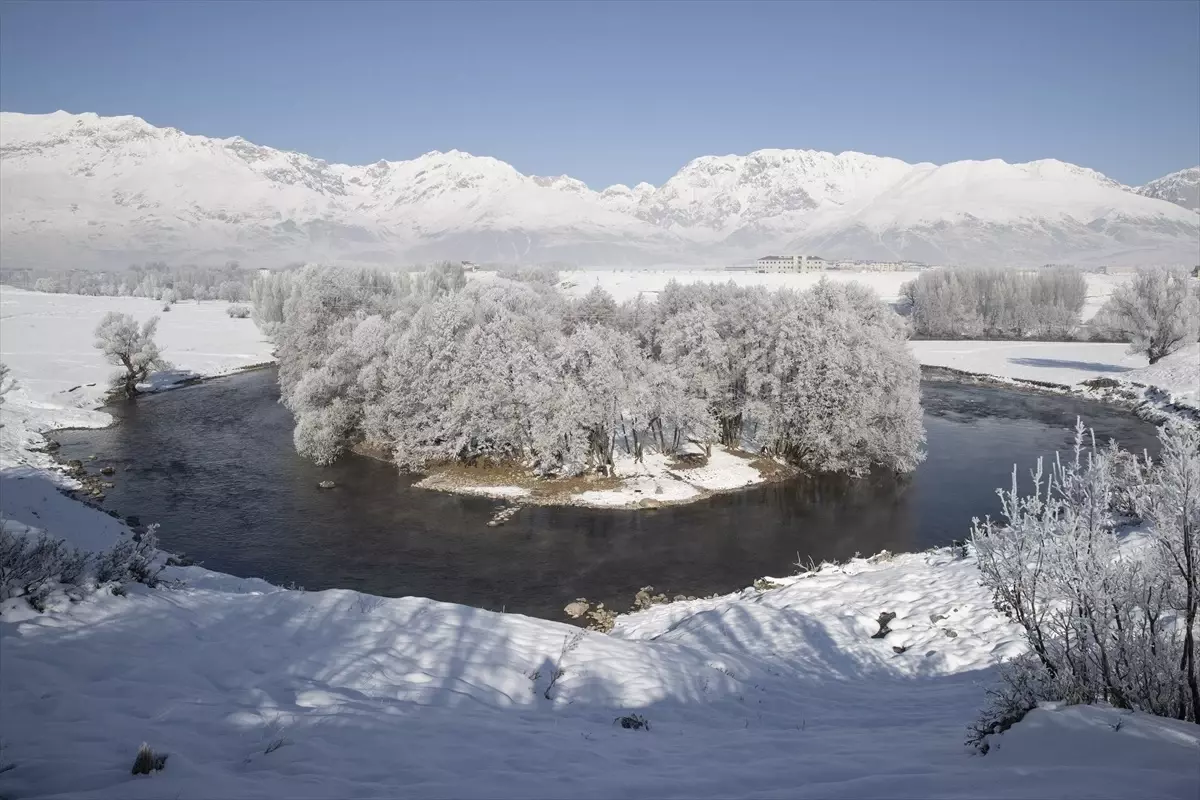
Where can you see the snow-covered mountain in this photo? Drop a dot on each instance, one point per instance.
(84, 189)
(1181, 188)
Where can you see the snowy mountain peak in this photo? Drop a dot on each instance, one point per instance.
(83, 188)
(1181, 188)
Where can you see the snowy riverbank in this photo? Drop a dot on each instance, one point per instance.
(257, 691)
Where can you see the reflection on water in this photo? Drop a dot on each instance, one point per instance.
(214, 465)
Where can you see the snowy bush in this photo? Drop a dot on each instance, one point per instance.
(996, 303)
(435, 369)
(131, 560)
(238, 311)
(30, 566)
(148, 761)
(1157, 312)
(1023, 683)
(1107, 619)
(123, 344)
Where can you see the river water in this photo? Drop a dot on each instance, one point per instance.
(214, 465)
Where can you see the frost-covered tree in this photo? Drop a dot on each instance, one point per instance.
(134, 350)
(718, 336)
(1157, 312)
(843, 393)
(992, 302)
(510, 370)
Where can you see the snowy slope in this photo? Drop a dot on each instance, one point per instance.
(101, 190)
(268, 693)
(1181, 188)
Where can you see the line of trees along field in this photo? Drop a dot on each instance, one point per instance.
(156, 280)
(434, 368)
(1157, 310)
(996, 303)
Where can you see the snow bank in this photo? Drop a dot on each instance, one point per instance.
(655, 481)
(277, 693)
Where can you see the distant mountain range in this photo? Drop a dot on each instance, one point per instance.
(81, 189)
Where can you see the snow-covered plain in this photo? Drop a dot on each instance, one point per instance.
(257, 691)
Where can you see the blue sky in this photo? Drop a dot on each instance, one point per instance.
(625, 92)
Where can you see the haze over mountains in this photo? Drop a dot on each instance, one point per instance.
(86, 190)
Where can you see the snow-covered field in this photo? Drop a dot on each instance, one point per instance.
(257, 691)
(48, 342)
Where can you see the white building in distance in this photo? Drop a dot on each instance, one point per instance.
(790, 264)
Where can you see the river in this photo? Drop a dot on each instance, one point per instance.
(214, 465)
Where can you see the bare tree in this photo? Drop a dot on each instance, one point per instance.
(124, 345)
(1158, 312)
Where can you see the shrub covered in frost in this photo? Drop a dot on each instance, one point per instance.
(32, 565)
(1106, 619)
(131, 560)
(238, 311)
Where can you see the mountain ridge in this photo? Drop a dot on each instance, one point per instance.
(98, 189)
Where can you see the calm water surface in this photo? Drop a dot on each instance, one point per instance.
(214, 464)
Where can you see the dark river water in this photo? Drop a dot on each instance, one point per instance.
(214, 465)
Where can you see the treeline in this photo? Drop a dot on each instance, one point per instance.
(433, 368)
(156, 280)
(996, 303)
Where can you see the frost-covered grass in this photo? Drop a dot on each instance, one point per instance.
(255, 691)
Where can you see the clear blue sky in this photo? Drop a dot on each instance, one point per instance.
(624, 92)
